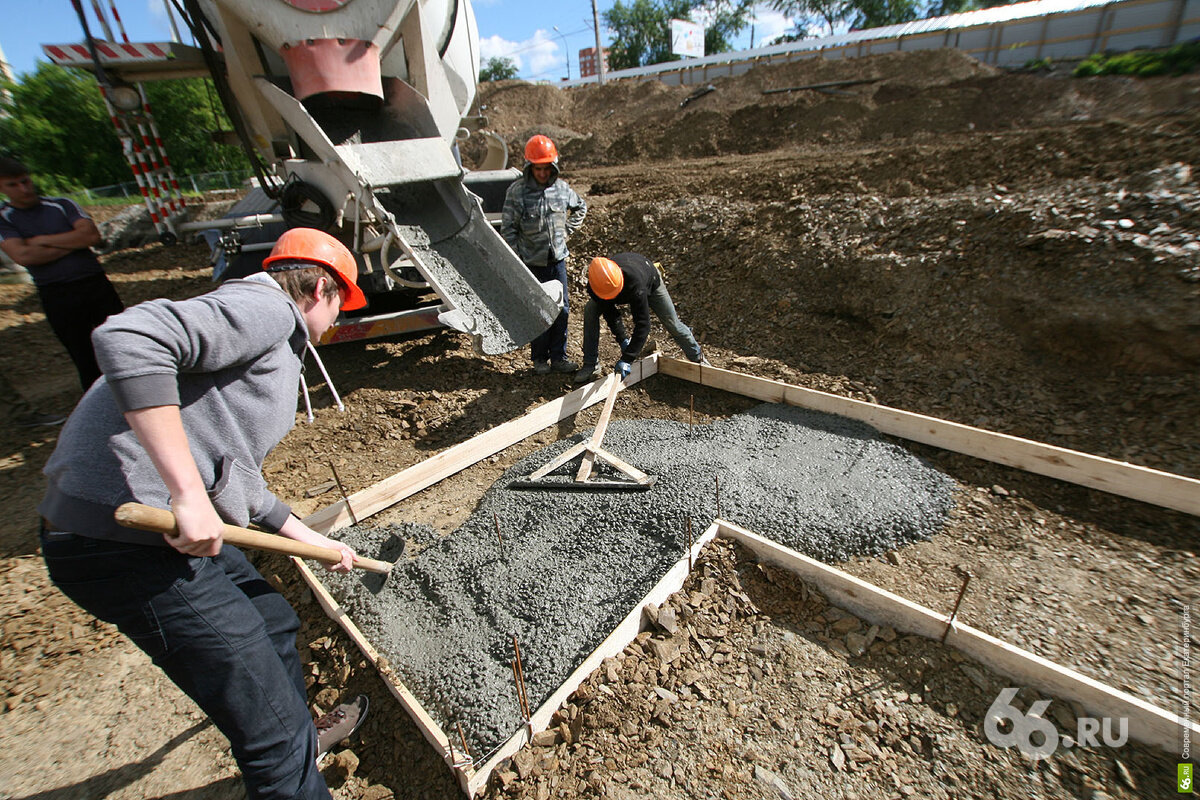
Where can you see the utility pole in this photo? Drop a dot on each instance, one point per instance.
(599, 48)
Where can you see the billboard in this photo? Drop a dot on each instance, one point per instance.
(687, 39)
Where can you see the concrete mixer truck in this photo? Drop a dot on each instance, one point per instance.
(351, 111)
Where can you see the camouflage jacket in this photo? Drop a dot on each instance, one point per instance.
(537, 221)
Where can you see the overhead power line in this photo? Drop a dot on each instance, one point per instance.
(542, 42)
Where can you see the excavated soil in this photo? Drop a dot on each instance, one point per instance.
(1015, 251)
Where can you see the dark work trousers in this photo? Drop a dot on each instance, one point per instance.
(221, 633)
(76, 308)
(552, 344)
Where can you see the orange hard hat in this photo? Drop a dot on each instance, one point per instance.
(310, 244)
(541, 150)
(605, 278)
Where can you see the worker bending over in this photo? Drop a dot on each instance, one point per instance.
(629, 279)
(195, 394)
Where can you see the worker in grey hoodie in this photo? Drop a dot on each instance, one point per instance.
(194, 395)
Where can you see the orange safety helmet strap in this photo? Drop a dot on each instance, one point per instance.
(605, 278)
(541, 150)
(310, 244)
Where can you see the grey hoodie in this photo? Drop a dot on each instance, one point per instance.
(231, 360)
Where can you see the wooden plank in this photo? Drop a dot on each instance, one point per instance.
(622, 635)
(1116, 477)
(1147, 723)
(432, 732)
(407, 482)
(623, 466)
(555, 463)
(589, 457)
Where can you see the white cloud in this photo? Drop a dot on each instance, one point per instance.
(769, 24)
(499, 47)
(157, 19)
(537, 58)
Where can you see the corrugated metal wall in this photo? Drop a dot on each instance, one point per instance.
(1004, 36)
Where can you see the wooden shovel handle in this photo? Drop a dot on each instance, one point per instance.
(158, 520)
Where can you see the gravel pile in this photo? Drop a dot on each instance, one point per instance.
(572, 564)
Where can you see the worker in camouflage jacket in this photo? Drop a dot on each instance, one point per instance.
(540, 212)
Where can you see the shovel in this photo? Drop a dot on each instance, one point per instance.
(149, 518)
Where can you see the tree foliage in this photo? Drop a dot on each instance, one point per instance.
(56, 123)
(825, 15)
(642, 28)
(829, 12)
(498, 69)
(188, 113)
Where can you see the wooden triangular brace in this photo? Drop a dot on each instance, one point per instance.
(591, 450)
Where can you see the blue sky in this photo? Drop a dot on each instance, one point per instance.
(523, 30)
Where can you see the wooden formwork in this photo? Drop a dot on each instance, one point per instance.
(1147, 723)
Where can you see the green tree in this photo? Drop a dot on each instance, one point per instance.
(498, 69)
(56, 123)
(830, 12)
(877, 13)
(642, 28)
(188, 114)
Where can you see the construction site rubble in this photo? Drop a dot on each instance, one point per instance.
(953, 240)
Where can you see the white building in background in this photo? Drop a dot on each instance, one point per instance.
(7, 74)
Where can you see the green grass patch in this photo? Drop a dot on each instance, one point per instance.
(1142, 63)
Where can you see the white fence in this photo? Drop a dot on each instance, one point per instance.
(1005, 36)
(196, 184)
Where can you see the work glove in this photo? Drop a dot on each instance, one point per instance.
(624, 344)
(623, 368)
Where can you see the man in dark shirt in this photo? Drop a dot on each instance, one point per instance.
(629, 279)
(52, 237)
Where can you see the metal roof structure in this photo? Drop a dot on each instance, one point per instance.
(1009, 35)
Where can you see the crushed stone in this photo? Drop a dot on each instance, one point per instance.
(573, 564)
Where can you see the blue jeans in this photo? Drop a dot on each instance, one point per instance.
(221, 633)
(552, 344)
(663, 308)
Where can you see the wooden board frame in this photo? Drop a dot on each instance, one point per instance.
(1147, 723)
(1115, 477)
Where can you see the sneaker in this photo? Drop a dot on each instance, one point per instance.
(339, 724)
(704, 362)
(564, 366)
(542, 368)
(35, 419)
(587, 373)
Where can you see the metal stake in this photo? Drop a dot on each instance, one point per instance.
(521, 679)
(957, 603)
(342, 489)
(689, 545)
(463, 737)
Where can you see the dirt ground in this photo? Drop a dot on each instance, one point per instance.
(1019, 252)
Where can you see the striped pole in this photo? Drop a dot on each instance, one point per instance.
(178, 198)
(171, 19)
(99, 9)
(120, 25)
(133, 158)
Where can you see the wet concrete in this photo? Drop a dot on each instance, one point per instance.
(572, 564)
(504, 314)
